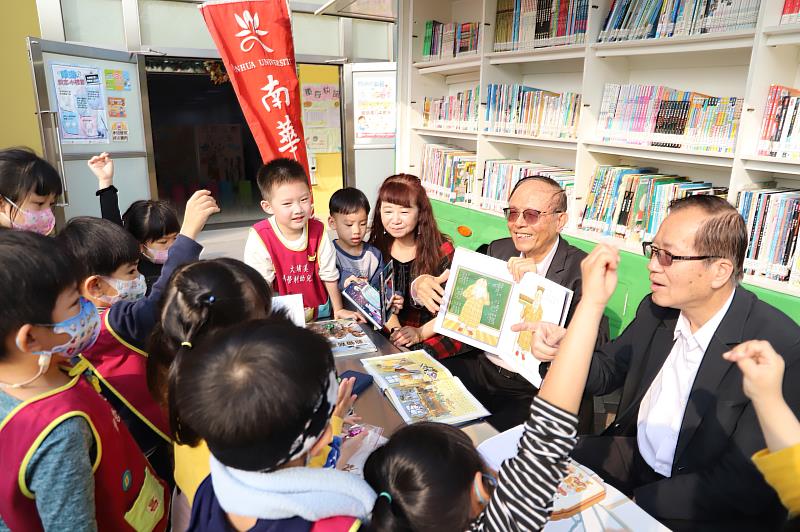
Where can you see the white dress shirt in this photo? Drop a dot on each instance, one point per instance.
(541, 269)
(663, 406)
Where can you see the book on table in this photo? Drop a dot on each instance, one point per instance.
(345, 336)
(481, 302)
(421, 389)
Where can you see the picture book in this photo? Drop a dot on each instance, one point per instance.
(292, 306)
(421, 389)
(345, 336)
(387, 290)
(367, 301)
(481, 302)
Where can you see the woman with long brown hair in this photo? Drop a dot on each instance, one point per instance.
(405, 230)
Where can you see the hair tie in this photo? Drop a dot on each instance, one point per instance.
(385, 494)
(186, 344)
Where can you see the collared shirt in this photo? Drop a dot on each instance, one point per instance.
(541, 269)
(663, 406)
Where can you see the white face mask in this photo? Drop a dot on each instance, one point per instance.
(132, 290)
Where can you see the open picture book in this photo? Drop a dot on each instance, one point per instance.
(481, 302)
(421, 389)
(345, 336)
(374, 304)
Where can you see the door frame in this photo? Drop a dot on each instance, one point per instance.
(47, 116)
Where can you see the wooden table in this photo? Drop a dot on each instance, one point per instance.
(375, 409)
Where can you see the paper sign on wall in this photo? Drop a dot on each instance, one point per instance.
(117, 80)
(116, 107)
(81, 106)
(119, 131)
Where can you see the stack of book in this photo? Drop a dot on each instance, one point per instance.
(647, 19)
(772, 216)
(459, 111)
(529, 24)
(455, 39)
(500, 176)
(791, 12)
(631, 202)
(448, 172)
(780, 130)
(660, 116)
(531, 112)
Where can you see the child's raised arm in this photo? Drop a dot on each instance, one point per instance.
(102, 166)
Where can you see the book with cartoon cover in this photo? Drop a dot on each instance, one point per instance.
(481, 302)
(421, 389)
(345, 336)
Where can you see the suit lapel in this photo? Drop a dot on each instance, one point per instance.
(713, 368)
(558, 265)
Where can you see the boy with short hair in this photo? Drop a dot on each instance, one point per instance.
(290, 248)
(355, 259)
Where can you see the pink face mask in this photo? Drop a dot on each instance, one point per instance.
(41, 222)
(157, 256)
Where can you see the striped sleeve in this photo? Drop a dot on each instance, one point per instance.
(527, 483)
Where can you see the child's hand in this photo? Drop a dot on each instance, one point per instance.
(350, 280)
(762, 369)
(103, 167)
(198, 210)
(397, 303)
(346, 398)
(405, 336)
(546, 338)
(342, 314)
(599, 274)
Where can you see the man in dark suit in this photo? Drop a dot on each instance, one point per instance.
(685, 431)
(536, 215)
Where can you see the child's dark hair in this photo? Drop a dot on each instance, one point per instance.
(23, 172)
(250, 390)
(428, 470)
(34, 271)
(348, 200)
(202, 297)
(150, 220)
(100, 246)
(279, 172)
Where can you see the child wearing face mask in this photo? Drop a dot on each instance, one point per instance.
(67, 463)
(29, 186)
(153, 223)
(109, 256)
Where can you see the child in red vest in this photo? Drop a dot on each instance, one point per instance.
(109, 256)
(276, 419)
(67, 461)
(290, 248)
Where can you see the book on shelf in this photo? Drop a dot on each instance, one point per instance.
(529, 24)
(631, 202)
(458, 111)
(481, 302)
(448, 172)
(655, 115)
(421, 389)
(772, 216)
(532, 112)
(780, 129)
(448, 40)
(501, 175)
(655, 19)
(791, 12)
(345, 336)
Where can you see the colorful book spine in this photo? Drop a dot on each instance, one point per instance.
(454, 39)
(500, 176)
(527, 111)
(780, 128)
(530, 24)
(448, 172)
(458, 111)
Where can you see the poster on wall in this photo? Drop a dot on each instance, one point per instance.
(81, 105)
(374, 106)
(321, 117)
(117, 80)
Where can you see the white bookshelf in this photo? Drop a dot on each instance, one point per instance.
(741, 63)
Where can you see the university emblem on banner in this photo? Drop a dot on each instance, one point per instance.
(250, 32)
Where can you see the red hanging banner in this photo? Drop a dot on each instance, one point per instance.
(254, 38)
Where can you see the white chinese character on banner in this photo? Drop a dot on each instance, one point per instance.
(291, 269)
(302, 278)
(279, 95)
(296, 279)
(289, 138)
(288, 279)
(250, 32)
(305, 267)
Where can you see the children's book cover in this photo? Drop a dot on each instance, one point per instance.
(367, 301)
(421, 389)
(345, 336)
(481, 302)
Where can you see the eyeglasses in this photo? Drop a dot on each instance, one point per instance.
(531, 216)
(665, 258)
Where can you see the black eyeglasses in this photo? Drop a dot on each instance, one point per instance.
(531, 216)
(665, 258)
